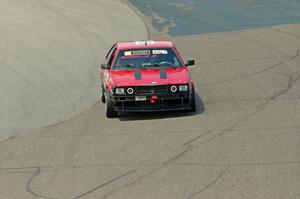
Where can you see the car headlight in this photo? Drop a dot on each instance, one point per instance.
(130, 91)
(173, 89)
(183, 88)
(120, 91)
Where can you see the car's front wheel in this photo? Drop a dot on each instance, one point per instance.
(103, 100)
(110, 112)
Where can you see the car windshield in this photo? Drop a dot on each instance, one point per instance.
(146, 58)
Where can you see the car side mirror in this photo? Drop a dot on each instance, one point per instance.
(104, 66)
(190, 63)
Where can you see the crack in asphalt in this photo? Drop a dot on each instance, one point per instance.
(196, 138)
(29, 185)
(258, 109)
(239, 164)
(247, 100)
(67, 167)
(188, 147)
(286, 32)
(38, 172)
(262, 43)
(133, 182)
(186, 150)
(258, 72)
(105, 184)
(237, 60)
(150, 132)
(161, 166)
(217, 179)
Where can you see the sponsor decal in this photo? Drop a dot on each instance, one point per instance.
(159, 52)
(127, 53)
(144, 42)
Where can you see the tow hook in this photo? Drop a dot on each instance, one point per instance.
(153, 99)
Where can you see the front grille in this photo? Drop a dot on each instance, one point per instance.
(159, 89)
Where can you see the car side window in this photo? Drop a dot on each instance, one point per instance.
(111, 56)
(109, 52)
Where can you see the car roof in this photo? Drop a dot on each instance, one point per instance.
(144, 44)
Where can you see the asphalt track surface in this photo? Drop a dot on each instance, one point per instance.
(243, 142)
(49, 52)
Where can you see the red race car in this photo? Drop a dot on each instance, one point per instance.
(141, 76)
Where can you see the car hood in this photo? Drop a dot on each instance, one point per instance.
(150, 76)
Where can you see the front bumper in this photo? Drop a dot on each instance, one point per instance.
(164, 102)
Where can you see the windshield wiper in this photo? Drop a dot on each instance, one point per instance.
(155, 64)
(158, 65)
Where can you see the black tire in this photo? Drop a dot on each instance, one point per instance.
(193, 102)
(110, 112)
(103, 100)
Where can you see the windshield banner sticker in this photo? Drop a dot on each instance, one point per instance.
(137, 52)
